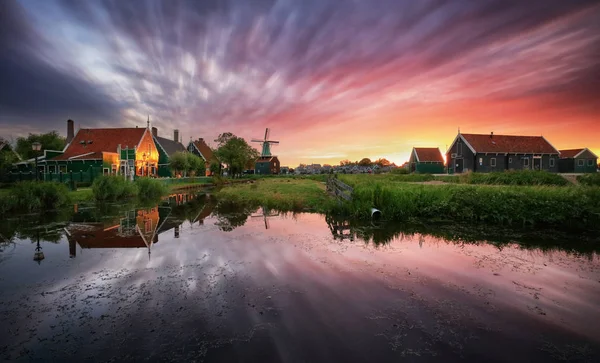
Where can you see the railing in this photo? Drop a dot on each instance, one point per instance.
(338, 188)
(61, 177)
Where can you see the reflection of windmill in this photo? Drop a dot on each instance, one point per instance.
(266, 213)
(266, 144)
(266, 163)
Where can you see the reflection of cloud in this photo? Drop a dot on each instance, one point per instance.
(207, 67)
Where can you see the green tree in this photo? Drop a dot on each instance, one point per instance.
(7, 156)
(215, 167)
(178, 162)
(235, 152)
(195, 165)
(50, 141)
(365, 162)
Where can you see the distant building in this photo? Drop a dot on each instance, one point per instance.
(486, 153)
(426, 160)
(577, 161)
(285, 170)
(200, 148)
(166, 149)
(109, 150)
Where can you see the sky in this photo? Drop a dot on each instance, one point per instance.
(332, 79)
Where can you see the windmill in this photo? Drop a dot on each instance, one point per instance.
(266, 163)
(266, 212)
(266, 144)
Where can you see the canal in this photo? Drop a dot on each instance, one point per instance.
(192, 280)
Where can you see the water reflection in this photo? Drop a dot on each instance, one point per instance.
(265, 214)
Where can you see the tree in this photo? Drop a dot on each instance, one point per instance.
(195, 165)
(50, 141)
(365, 162)
(382, 162)
(235, 152)
(345, 162)
(178, 162)
(215, 167)
(7, 158)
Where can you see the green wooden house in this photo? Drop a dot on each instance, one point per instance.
(577, 161)
(166, 148)
(426, 160)
(200, 148)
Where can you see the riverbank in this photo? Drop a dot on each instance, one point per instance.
(568, 207)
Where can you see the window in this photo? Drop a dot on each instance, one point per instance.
(551, 162)
(493, 162)
(480, 161)
(106, 171)
(525, 161)
(590, 162)
(510, 160)
(114, 169)
(580, 162)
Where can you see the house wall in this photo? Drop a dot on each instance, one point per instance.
(146, 157)
(466, 154)
(587, 158)
(429, 168)
(512, 162)
(566, 165)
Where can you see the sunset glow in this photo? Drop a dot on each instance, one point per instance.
(332, 79)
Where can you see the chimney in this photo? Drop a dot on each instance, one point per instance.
(154, 131)
(176, 135)
(70, 130)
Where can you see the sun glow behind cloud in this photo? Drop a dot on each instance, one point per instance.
(332, 79)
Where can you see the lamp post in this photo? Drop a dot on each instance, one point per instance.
(38, 256)
(36, 146)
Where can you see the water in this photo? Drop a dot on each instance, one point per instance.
(196, 282)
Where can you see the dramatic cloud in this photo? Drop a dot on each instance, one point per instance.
(363, 73)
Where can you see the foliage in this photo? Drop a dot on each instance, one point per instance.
(592, 179)
(365, 162)
(112, 187)
(7, 158)
(382, 162)
(514, 177)
(50, 141)
(195, 165)
(33, 196)
(215, 167)
(178, 162)
(150, 189)
(235, 152)
(400, 171)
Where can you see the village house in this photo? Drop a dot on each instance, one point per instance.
(128, 151)
(166, 148)
(577, 161)
(426, 160)
(266, 165)
(487, 153)
(200, 148)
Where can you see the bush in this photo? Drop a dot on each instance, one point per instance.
(514, 177)
(592, 179)
(33, 196)
(150, 189)
(111, 188)
(400, 171)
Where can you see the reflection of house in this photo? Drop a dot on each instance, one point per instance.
(108, 149)
(426, 160)
(136, 229)
(485, 153)
(577, 161)
(200, 148)
(166, 148)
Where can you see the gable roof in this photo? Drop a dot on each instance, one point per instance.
(102, 140)
(428, 154)
(574, 153)
(203, 149)
(169, 146)
(508, 144)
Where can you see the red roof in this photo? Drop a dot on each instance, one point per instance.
(102, 140)
(204, 149)
(570, 153)
(509, 144)
(429, 154)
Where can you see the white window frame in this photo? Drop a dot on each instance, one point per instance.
(480, 161)
(526, 162)
(105, 171)
(493, 162)
(590, 162)
(552, 162)
(580, 162)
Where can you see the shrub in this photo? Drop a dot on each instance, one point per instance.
(32, 196)
(151, 189)
(111, 188)
(592, 179)
(400, 171)
(514, 177)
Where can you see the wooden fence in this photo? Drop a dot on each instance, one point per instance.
(339, 189)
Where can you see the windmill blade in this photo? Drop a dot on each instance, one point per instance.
(256, 140)
(273, 142)
(267, 134)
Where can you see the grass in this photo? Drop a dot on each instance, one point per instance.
(26, 197)
(288, 194)
(592, 179)
(521, 177)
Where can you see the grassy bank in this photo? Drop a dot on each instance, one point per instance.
(289, 194)
(542, 206)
